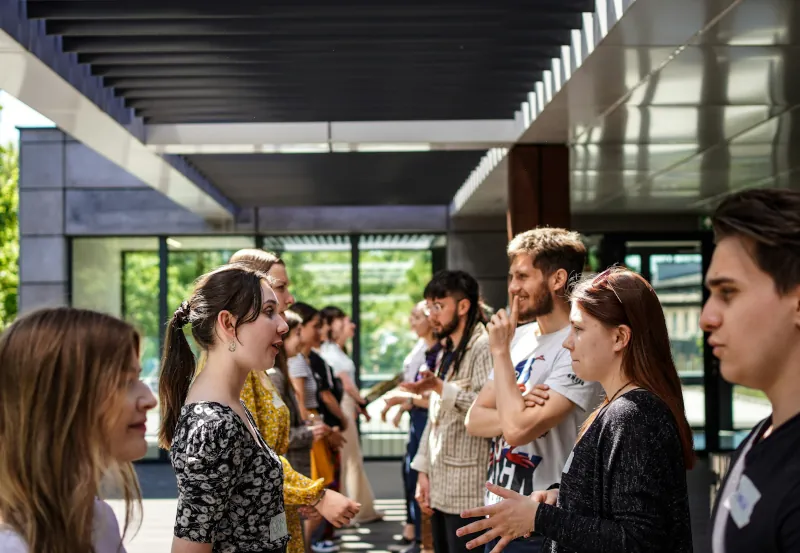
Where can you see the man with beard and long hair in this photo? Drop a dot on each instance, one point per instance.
(449, 461)
(531, 442)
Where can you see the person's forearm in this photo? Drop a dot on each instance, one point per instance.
(483, 422)
(350, 387)
(510, 403)
(300, 392)
(421, 401)
(587, 534)
(300, 437)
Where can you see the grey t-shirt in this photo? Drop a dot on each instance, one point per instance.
(107, 537)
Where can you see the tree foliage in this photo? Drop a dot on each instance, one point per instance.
(9, 233)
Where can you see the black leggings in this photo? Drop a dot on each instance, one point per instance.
(444, 528)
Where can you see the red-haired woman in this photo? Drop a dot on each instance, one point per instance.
(623, 488)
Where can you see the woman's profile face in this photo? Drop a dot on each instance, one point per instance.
(292, 342)
(280, 286)
(342, 329)
(310, 332)
(129, 420)
(258, 341)
(591, 345)
(419, 323)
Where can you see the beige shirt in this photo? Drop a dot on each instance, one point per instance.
(454, 461)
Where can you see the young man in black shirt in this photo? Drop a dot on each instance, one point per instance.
(753, 317)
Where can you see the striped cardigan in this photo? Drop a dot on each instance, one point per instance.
(454, 461)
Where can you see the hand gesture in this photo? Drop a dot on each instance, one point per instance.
(545, 496)
(423, 493)
(337, 509)
(536, 396)
(428, 382)
(502, 327)
(508, 520)
(320, 430)
(335, 438)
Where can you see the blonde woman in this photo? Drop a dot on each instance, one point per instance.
(73, 409)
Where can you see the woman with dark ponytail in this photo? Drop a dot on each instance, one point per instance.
(230, 482)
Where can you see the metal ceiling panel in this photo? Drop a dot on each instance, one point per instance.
(339, 179)
(677, 106)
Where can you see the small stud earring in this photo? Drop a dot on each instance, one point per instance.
(232, 346)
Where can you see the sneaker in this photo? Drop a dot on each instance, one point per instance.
(326, 546)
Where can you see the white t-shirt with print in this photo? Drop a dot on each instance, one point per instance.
(537, 465)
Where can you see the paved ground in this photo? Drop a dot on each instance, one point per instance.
(158, 488)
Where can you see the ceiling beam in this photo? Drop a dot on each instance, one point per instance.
(473, 24)
(465, 44)
(191, 9)
(26, 77)
(325, 137)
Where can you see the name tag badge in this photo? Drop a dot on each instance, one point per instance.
(742, 502)
(568, 463)
(277, 527)
(277, 401)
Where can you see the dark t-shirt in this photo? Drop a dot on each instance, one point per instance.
(763, 511)
(326, 381)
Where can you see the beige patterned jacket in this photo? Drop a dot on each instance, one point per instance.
(454, 461)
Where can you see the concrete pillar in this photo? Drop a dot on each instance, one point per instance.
(478, 246)
(43, 247)
(538, 187)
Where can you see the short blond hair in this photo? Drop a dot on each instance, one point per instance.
(551, 249)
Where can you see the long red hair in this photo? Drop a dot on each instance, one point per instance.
(617, 297)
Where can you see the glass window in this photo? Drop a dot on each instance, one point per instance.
(120, 276)
(391, 283)
(749, 407)
(634, 262)
(677, 279)
(321, 277)
(192, 256)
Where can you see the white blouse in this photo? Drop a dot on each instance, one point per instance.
(339, 361)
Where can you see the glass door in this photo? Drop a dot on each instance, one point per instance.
(675, 270)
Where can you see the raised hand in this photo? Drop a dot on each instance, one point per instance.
(502, 327)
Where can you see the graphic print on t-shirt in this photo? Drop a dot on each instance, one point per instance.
(536, 465)
(510, 467)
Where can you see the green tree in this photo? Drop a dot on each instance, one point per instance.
(9, 233)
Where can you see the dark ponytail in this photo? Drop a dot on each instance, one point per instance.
(232, 288)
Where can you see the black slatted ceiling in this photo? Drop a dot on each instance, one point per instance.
(240, 60)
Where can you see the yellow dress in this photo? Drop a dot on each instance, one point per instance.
(273, 421)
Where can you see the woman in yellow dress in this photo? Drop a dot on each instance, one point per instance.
(273, 418)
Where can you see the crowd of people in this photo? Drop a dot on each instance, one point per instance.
(556, 424)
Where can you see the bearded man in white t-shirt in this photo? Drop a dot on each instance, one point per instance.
(531, 443)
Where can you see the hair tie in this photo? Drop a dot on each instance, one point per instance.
(181, 315)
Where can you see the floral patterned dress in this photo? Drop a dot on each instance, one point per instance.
(273, 421)
(230, 484)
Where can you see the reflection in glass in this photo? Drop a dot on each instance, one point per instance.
(119, 276)
(677, 279)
